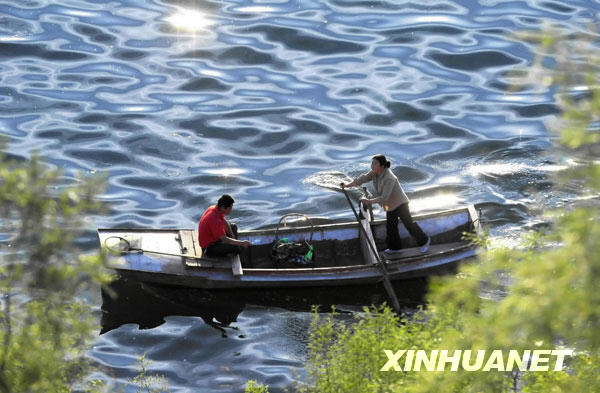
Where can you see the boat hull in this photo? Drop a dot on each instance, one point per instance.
(176, 269)
(222, 278)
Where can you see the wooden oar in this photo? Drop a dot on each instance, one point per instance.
(384, 273)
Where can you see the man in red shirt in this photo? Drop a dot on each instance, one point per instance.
(215, 235)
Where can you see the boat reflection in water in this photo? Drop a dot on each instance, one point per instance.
(147, 305)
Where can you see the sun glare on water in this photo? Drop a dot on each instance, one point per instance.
(439, 201)
(226, 171)
(189, 20)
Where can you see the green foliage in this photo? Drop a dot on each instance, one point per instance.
(144, 381)
(147, 382)
(347, 357)
(96, 386)
(44, 326)
(583, 377)
(573, 72)
(255, 387)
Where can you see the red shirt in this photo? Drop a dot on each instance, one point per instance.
(211, 227)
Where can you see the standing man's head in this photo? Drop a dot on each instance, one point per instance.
(225, 204)
(379, 163)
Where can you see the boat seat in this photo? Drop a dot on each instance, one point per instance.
(232, 262)
(187, 246)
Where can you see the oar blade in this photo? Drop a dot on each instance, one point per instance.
(331, 180)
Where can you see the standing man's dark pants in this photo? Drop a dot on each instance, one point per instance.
(220, 249)
(393, 237)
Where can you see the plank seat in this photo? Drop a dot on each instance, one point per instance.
(232, 262)
(185, 238)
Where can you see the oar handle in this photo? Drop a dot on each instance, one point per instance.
(386, 280)
(363, 230)
(370, 207)
(351, 204)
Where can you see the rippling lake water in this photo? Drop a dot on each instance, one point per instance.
(180, 101)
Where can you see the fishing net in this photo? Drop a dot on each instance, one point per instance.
(121, 245)
(288, 253)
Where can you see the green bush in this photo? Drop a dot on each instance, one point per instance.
(255, 387)
(45, 327)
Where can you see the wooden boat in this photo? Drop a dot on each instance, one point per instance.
(342, 255)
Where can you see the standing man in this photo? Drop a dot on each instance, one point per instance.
(216, 236)
(392, 198)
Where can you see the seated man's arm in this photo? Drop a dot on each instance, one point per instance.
(228, 240)
(228, 230)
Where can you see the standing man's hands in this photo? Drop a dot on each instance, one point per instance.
(366, 201)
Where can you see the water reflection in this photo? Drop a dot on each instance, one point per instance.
(148, 305)
(442, 200)
(226, 171)
(255, 9)
(508, 168)
(190, 20)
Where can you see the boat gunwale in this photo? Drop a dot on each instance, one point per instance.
(410, 261)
